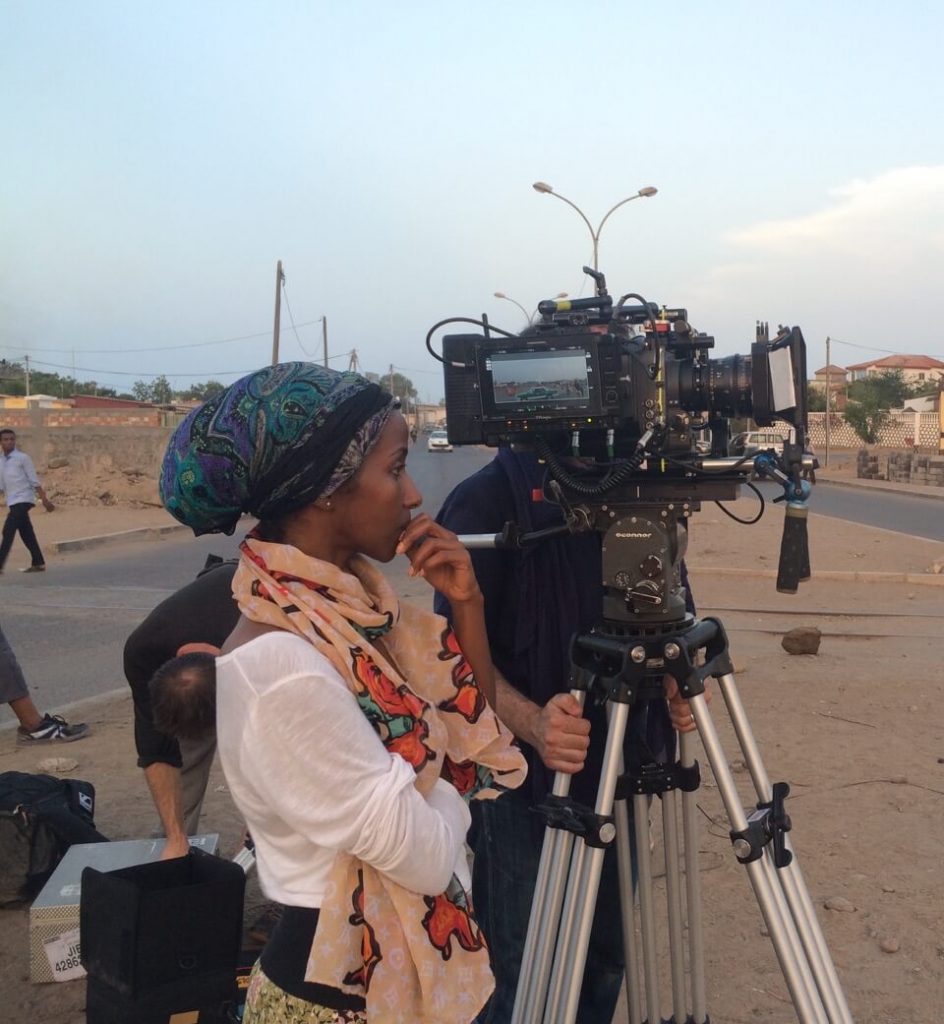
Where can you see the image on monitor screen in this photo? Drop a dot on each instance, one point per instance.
(556, 376)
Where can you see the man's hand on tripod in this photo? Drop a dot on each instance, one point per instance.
(679, 710)
(561, 735)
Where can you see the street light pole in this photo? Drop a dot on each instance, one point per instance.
(508, 298)
(545, 189)
(829, 381)
(529, 317)
(279, 278)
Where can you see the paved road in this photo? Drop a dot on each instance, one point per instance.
(68, 628)
(918, 517)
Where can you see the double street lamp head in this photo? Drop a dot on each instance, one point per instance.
(542, 186)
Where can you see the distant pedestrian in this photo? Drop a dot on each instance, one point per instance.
(34, 727)
(21, 486)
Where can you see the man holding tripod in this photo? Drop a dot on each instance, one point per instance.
(536, 598)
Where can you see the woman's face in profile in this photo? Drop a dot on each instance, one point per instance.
(374, 508)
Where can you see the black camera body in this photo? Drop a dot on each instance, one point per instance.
(614, 373)
(633, 420)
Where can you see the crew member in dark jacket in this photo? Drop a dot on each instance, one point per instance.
(536, 598)
(202, 612)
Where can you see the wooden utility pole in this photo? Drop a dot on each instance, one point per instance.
(324, 337)
(829, 384)
(279, 278)
(26, 374)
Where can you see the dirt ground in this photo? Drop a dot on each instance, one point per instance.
(853, 729)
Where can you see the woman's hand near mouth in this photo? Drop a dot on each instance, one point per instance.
(436, 554)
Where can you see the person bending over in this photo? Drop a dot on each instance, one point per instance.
(177, 770)
(350, 726)
(183, 695)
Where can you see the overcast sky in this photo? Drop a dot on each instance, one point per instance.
(159, 158)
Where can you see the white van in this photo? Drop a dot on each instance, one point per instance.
(753, 441)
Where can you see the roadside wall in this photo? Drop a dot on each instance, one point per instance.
(904, 430)
(97, 463)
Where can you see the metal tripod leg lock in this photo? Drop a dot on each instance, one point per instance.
(562, 812)
(769, 824)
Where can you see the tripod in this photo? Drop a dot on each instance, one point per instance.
(623, 668)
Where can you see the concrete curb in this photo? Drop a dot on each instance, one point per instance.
(918, 578)
(141, 533)
(884, 487)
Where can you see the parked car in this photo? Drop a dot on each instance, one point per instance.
(538, 392)
(438, 442)
(753, 441)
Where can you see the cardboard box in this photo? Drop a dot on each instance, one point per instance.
(54, 915)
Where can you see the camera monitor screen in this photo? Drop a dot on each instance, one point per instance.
(559, 377)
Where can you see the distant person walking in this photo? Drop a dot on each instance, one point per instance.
(21, 486)
(34, 727)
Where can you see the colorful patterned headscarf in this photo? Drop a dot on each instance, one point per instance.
(271, 443)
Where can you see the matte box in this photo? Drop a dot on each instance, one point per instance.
(55, 911)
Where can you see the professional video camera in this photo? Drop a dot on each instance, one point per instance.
(630, 391)
(593, 367)
(619, 401)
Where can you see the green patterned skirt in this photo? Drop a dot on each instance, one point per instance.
(266, 1003)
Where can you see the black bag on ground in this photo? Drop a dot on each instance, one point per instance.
(40, 818)
(162, 938)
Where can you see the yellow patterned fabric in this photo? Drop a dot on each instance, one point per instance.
(266, 1003)
(415, 958)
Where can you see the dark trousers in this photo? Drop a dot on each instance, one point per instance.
(506, 838)
(18, 520)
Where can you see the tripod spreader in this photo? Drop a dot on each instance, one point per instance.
(655, 779)
(770, 823)
(597, 830)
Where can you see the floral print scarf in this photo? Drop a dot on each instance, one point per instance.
(415, 958)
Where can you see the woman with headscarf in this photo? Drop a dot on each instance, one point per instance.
(352, 728)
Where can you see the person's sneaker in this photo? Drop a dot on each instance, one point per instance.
(53, 729)
(34, 568)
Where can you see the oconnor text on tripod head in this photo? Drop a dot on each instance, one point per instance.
(629, 391)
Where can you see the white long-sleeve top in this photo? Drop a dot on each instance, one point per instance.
(311, 777)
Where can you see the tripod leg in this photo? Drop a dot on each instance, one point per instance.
(538, 950)
(647, 922)
(696, 949)
(549, 887)
(546, 905)
(782, 931)
(673, 899)
(582, 889)
(627, 903)
(790, 877)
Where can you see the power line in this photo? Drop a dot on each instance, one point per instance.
(866, 348)
(172, 373)
(162, 348)
(144, 373)
(291, 317)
